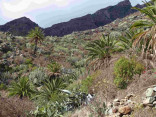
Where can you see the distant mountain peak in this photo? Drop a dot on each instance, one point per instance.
(23, 25)
(20, 26)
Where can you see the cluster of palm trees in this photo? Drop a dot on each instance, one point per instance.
(141, 37)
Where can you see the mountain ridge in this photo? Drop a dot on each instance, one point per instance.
(22, 26)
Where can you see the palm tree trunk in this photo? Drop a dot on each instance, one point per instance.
(35, 49)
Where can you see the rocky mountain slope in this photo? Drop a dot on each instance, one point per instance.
(19, 26)
(102, 17)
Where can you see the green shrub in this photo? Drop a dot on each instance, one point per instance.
(28, 61)
(37, 76)
(125, 69)
(54, 67)
(21, 88)
(3, 86)
(87, 83)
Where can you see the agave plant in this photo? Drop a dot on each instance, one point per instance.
(100, 50)
(147, 38)
(21, 88)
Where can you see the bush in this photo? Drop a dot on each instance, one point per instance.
(21, 88)
(28, 61)
(54, 67)
(37, 76)
(87, 83)
(125, 69)
(3, 86)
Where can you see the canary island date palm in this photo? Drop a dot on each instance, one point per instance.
(147, 38)
(36, 36)
(100, 51)
(21, 88)
(51, 91)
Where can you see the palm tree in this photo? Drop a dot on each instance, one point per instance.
(54, 69)
(100, 50)
(21, 88)
(36, 36)
(51, 91)
(147, 38)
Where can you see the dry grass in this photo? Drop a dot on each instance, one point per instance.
(15, 107)
(105, 90)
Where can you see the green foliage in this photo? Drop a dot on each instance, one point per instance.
(87, 83)
(36, 33)
(37, 36)
(125, 69)
(3, 86)
(28, 61)
(127, 39)
(51, 91)
(146, 38)
(100, 51)
(102, 48)
(98, 109)
(21, 88)
(37, 76)
(54, 67)
(5, 76)
(51, 109)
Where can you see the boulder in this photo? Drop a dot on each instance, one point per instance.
(116, 103)
(125, 110)
(129, 96)
(154, 89)
(150, 92)
(116, 100)
(148, 100)
(154, 103)
(115, 110)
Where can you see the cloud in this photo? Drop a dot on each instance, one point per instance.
(17, 8)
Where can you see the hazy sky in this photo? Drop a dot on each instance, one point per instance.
(49, 12)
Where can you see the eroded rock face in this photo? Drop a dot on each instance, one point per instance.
(91, 21)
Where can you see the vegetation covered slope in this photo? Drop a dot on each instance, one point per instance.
(84, 70)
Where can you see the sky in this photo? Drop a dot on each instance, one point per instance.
(49, 12)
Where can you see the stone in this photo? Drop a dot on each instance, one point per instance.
(115, 115)
(116, 100)
(115, 110)
(154, 89)
(150, 105)
(129, 101)
(110, 112)
(109, 105)
(116, 103)
(150, 92)
(122, 103)
(129, 96)
(125, 110)
(154, 102)
(148, 100)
